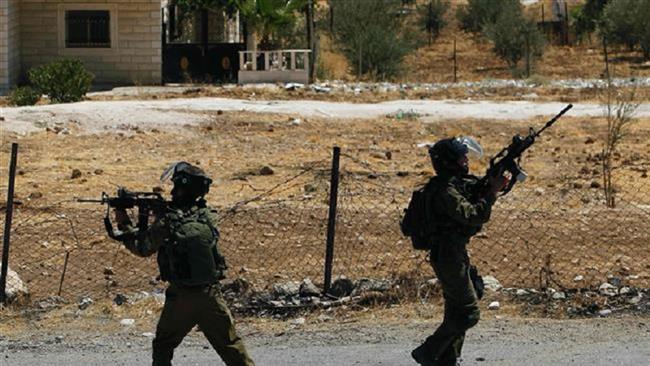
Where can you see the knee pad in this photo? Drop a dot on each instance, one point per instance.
(467, 319)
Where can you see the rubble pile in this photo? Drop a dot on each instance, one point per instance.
(287, 297)
(385, 87)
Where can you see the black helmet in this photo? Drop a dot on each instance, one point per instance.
(192, 178)
(445, 153)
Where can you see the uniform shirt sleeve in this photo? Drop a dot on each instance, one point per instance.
(451, 203)
(146, 243)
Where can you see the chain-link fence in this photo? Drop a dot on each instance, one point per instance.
(560, 236)
(277, 235)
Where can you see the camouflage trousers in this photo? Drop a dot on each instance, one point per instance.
(186, 307)
(450, 262)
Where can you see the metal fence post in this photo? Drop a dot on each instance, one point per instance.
(455, 63)
(331, 221)
(65, 268)
(8, 216)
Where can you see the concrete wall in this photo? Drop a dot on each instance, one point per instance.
(135, 55)
(9, 44)
(273, 76)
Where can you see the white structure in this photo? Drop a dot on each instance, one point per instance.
(288, 66)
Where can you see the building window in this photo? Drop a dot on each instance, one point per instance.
(87, 29)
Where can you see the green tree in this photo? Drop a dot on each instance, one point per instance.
(263, 18)
(474, 16)
(514, 37)
(586, 17)
(431, 17)
(266, 17)
(642, 28)
(619, 24)
(373, 35)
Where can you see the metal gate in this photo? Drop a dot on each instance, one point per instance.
(200, 46)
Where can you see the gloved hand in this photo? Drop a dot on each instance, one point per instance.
(122, 219)
(497, 183)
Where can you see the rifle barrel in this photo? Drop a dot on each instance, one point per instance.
(86, 200)
(549, 123)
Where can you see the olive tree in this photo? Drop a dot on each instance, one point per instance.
(373, 35)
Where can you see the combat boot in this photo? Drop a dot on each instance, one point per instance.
(422, 356)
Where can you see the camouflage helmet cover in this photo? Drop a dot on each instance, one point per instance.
(183, 168)
(192, 178)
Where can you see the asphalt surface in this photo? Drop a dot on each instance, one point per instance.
(623, 341)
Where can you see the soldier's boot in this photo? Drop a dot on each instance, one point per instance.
(162, 358)
(422, 356)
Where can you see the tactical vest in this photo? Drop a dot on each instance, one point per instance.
(190, 255)
(443, 225)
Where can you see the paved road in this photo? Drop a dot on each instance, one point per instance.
(621, 342)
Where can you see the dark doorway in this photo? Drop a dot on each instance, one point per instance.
(200, 46)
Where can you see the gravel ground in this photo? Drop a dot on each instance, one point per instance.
(621, 341)
(97, 116)
(337, 86)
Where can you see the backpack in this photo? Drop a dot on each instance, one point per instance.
(415, 223)
(191, 255)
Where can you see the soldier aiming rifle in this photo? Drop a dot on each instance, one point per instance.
(184, 235)
(443, 215)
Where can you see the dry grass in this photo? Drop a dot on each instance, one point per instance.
(236, 143)
(564, 222)
(477, 62)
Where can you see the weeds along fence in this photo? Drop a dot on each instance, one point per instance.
(561, 236)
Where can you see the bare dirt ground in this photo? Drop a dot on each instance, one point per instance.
(80, 150)
(558, 204)
(128, 144)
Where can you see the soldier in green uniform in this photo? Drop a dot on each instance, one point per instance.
(185, 238)
(456, 217)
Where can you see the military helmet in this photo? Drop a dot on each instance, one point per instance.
(447, 151)
(191, 177)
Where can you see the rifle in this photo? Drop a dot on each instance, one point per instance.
(146, 202)
(507, 160)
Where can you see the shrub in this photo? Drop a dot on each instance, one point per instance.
(474, 16)
(431, 17)
(373, 36)
(64, 81)
(24, 95)
(513, 37)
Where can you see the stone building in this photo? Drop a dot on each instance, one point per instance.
(119, 41)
